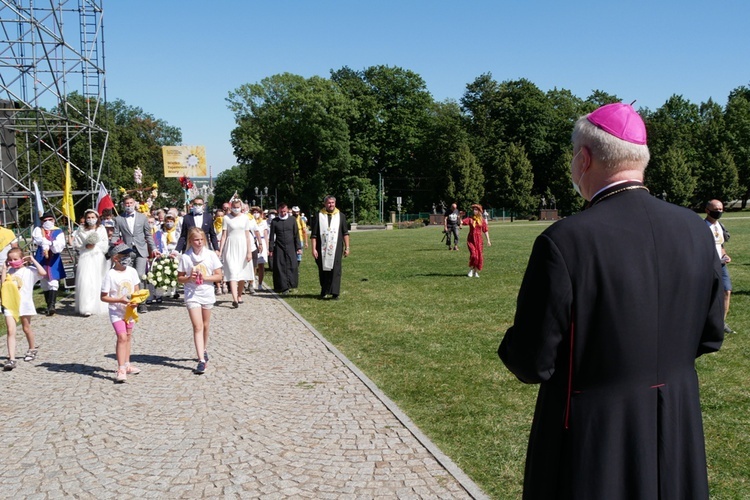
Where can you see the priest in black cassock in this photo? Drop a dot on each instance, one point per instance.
(616, 304)
(329, 239)
(284, 246)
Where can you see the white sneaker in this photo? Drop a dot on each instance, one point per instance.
(476, 274)
(471, 273)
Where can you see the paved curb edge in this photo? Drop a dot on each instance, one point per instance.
(466, 483)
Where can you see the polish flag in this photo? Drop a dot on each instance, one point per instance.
(104, 200)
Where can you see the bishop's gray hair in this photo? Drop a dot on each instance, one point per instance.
(615, 153)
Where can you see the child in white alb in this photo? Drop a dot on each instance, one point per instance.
(199, 269)
(117, 289)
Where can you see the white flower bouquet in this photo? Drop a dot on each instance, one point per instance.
(92, 239)
(163, 273)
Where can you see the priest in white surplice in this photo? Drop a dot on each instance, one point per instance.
(329, 240)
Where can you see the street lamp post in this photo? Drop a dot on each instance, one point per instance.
(353, 195)
(261, 193)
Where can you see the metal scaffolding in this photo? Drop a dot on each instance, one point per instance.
(41, 66)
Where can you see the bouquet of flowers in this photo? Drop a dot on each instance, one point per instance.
(163, 273)
(92, 239)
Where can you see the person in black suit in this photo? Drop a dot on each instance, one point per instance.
(204, 220)
(616, 304)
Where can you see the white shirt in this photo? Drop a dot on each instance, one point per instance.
(206, 262)
(25, 277)
(119, 284)
(718, 233)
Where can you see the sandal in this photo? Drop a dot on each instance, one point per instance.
(30, 355)
(9, 365)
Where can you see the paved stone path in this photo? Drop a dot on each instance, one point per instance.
(279, 414)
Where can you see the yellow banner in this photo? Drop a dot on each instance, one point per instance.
(67, 208)
(189, 161)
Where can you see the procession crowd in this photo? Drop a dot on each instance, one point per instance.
(126, 262)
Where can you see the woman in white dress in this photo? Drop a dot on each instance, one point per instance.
(236, 251)
(263, 252)
(90, 240)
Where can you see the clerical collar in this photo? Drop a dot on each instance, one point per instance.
(615, 188)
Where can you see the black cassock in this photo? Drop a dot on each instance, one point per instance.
(616, 304)
(284, 242)
(330, 281)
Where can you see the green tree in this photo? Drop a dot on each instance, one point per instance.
(388, 117)
(230, 181)
(292, 134)
(718, 178)
(511, 181)
(672, 174)
(737, 118)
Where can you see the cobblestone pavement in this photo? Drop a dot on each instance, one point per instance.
(278, 414)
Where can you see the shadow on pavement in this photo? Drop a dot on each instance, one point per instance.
(150, 359)
(92, 371)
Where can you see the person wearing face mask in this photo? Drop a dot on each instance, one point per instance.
(262, 245)
(117, 290)
(616, 304)
(236, 250)
(198, 217)
(166, 242)
(477, 225)
(18, 281)
(714, 211)
(91, 242)
(50, 242)
(284, 246)
(133, 229)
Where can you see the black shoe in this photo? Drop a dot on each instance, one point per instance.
(201, 369)
(9, 365)
(142, 309)
(334, 297)
(728, 329)
(235, 304)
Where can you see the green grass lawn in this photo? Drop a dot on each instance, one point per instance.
(427, 335)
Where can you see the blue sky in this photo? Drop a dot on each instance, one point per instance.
(178, 60)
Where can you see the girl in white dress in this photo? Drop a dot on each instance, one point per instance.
(263, 243)
(90, 240)
(236, 251)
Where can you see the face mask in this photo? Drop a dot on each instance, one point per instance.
(126, 261)
(576, 186)
(256, 215)
(169, 225)
(129, 209)
(236, 210)
(715, 214)
(91, 222)
(16, 264)
(198, 210)
(48, 225)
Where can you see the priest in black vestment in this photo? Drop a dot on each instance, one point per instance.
(284, 246)
(616, 304)
(329, 239)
